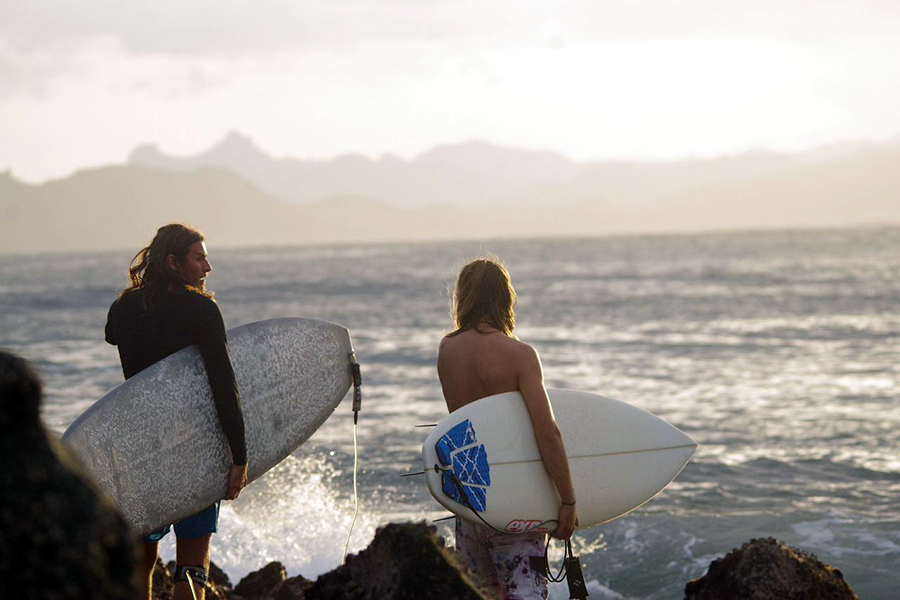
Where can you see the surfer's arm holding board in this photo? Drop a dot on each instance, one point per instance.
(482, 357)
(217, 359)
(547, 435)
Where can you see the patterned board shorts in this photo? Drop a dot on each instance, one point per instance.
(503, 559)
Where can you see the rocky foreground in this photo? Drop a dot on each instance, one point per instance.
(767, 569)
(408, 561)
(405, 561)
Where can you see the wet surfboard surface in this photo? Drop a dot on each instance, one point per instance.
(620, 456)
(154, 443)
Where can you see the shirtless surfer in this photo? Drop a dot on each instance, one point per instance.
(480, 358)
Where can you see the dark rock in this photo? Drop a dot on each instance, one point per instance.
(60, 538)
(294, 588)
(162, 580)
(405, 561)
(768, 570)
(219, 581)
(262, 584)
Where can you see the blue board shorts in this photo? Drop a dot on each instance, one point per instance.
(203, 523)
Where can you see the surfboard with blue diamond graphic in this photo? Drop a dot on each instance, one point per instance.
(465, 472)
(482, 462)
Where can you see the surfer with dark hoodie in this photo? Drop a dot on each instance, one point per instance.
(167, 308)
(480, 358)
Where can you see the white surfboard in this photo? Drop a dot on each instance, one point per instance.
(619, 457)
(154, 443)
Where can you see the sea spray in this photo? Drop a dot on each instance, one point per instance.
(298, 514)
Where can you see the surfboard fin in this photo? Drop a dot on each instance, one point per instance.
(445, 519)
(411, 474)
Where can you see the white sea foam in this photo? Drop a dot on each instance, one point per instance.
(826, 534)
(295, 514)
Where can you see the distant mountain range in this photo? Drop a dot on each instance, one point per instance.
(239, 196)
(465, 175)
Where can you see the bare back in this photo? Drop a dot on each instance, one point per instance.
(483, 361)
(474, 365)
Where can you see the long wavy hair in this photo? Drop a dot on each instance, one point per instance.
(148, 269)
(483, 294)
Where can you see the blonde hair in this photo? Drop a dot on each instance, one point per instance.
(483, 294)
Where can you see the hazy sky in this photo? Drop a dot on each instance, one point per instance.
(82, 83)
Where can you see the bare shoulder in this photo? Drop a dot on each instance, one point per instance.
(494, 344)
(524, 352)
(446, 351)
(447, 345)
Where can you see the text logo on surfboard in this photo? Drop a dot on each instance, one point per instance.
(460, 454)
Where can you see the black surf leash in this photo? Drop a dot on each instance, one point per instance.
(357, 405)
(357, 386)
(571, 567)
(570, 571)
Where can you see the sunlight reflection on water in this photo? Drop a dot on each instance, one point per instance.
(776, 351)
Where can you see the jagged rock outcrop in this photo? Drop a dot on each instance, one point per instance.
(766, 569)
(218, 581)
(262, 583)
(60, 538)
(405, 561)
(271, 583)
(293, 588)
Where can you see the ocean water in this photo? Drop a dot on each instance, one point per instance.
(779, 352)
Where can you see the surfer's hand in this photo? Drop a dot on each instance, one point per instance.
(237, 480)
(568, 521)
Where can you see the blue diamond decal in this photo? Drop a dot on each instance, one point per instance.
(460, 435)
(469, 464)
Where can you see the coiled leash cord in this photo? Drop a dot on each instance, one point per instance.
(570, 571)
(357, 404)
